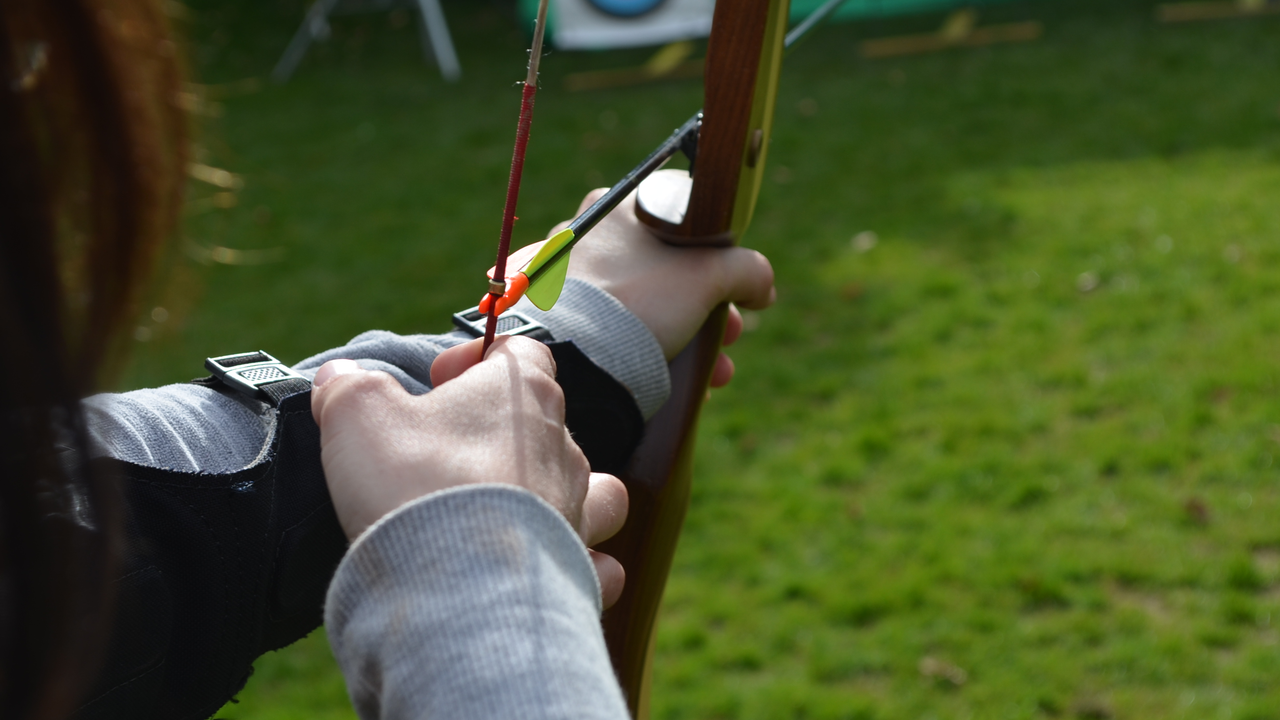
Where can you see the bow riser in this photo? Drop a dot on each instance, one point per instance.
(743, 57)
(658, 482)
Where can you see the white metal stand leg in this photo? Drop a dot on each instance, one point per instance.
(436, 34)
(314, 27)
(437, 44)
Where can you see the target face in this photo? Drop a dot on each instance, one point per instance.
(625, 8)
(601, 24)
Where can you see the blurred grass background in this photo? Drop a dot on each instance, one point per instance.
(1004, 449)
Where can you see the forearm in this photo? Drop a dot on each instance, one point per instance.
(199, 429)
(608, 333)
(472, 603)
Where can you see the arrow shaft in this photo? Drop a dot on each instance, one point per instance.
(664, 152)
(517, 172)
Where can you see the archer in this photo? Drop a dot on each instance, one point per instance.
(156, 542)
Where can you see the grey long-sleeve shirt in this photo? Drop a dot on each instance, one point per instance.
(477, 602)
(474, 602)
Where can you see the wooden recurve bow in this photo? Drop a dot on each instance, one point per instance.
(744, 55)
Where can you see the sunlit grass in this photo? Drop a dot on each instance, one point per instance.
(1048, 463)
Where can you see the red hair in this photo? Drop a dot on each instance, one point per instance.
(93, 143)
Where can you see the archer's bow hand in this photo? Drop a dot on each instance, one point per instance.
(671, 289)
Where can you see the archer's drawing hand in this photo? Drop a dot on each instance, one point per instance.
(500, 420)
(671, 289)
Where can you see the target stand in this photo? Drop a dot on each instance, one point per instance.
(437, 44)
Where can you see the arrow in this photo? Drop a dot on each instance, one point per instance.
(539, 270)
(497, 287)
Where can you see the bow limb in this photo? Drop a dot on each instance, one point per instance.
(744, 56)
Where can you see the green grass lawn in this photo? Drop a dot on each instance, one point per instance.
(1016, 458)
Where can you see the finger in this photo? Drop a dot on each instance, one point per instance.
(362, 394)
(458, 359)
(733, 328)
(330, 381)
(747, 278)
(525, 351)
(612, 577)
(722, 373)
(333, 368)
(604, 510)
(591, 199)
(453, 362)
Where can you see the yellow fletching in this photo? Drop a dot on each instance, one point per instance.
(544, 290)
(549, 248)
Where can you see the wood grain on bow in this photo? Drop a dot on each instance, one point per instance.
(743, 59)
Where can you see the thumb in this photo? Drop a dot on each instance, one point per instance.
(333, 368)
(322, 380)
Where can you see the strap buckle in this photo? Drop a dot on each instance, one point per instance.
(511, 322)
(250, 372)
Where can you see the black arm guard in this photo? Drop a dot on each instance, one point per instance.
(223, 568)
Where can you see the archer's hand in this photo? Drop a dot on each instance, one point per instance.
(671, 289)
(496, 421)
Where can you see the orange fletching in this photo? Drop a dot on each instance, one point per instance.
(517, 285)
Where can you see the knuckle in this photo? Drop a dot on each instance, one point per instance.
(540, 360)
(356, 390)
(578, 463)
(524, 345)
(376, 383)
(549, 393)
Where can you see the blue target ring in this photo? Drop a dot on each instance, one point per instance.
(625, 8)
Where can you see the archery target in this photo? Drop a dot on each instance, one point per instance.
(600, 24)
(625, 8)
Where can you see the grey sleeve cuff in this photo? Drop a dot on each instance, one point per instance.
(612, 337)
(602, 328)
(473, 602)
